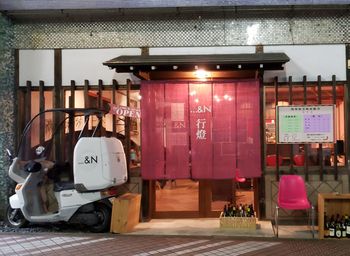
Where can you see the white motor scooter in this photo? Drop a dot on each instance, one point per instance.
(99, 165)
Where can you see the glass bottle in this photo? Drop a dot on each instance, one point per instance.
(332, 227)
(347, 224)
(234, 211)
(225, 211)
(343, 227)
(252, 210)
(338, 231)
(240, 209)
(326, 226)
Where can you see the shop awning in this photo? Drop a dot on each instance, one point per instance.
(152, 63)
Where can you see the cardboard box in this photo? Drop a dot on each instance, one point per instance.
(237, 222)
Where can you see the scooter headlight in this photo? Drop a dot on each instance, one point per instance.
(18, 187)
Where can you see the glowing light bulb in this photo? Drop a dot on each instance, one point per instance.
(202, 74)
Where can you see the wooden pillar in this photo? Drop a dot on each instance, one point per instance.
(86, 94)
(41, 109)
(86, 103)
(114, 117)
(306, 146)
(259, 183)
(335, 155)
(100, 130)
(276, 144)
(28, 110)
(290, 102)
(127, 127)
(71, 133)
(320, 149)
(58, 139)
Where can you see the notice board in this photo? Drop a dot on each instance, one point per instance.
(305, 124)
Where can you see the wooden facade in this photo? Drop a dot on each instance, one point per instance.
(62, 148)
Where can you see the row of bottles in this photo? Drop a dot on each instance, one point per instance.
(231, 210)
(336, 226)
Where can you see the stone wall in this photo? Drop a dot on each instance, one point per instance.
(7, 107)
(190, 29)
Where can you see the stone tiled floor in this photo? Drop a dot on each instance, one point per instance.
(211, 227)
(141, 245)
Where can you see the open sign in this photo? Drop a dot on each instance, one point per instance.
(124, 111)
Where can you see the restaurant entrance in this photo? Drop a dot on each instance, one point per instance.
(204, 198)
(200, 145)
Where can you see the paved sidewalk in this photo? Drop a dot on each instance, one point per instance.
(141, 245)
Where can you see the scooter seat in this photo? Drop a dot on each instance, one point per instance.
(63, 185)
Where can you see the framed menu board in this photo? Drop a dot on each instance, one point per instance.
(305, 124)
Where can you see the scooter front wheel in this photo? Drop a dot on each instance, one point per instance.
(15, 217)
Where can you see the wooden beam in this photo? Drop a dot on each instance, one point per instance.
(114, 117)
(72, 137)
(28, 108)
(320, 149)
(127, 128)
(41, 109)
(100, 131)
(142, 75)
(276, 145)
(335, 155)
(290, 101)
(306, 146)
(58, 146)
(86, 94)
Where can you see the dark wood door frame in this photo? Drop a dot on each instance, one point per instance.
(204, 201)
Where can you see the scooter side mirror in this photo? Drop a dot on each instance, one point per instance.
(39, 150)
(9, 154)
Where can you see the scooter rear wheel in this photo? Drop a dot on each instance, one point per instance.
(103, 213)
(15, 217)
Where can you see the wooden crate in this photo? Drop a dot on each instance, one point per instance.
(237, 222)
(125, 213)
(331, 203)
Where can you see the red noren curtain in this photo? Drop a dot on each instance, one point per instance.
(200, 130)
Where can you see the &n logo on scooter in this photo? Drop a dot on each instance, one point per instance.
(90, 160)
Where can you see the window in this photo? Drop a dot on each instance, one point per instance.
(293, 156)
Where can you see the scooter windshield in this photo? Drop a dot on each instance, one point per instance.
(37, 138)
(49, 127)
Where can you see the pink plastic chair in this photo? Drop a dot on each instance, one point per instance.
(299, 160)
(292, 196)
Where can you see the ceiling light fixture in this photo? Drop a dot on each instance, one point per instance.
(202, 74)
